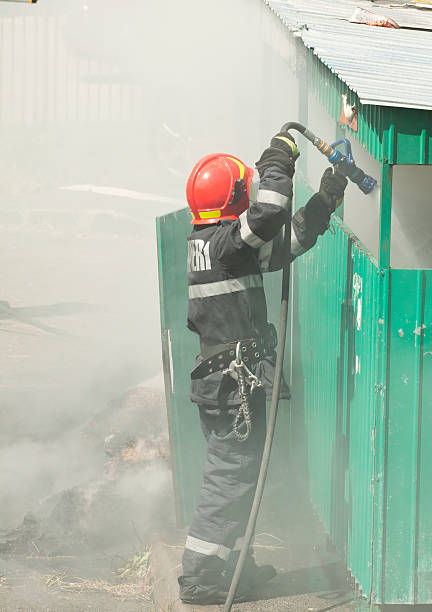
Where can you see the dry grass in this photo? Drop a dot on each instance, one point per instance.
(122, 591)
(134, 580)
(262, 541)
(136, 567)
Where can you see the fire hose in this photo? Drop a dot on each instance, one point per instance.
(346, 165)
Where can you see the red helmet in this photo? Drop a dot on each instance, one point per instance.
(218, 189)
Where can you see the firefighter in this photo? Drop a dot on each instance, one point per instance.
(231, 245)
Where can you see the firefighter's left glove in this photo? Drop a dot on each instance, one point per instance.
(332, 188)
(282, 153)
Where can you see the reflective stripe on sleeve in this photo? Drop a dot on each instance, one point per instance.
(231, 285)
(296, 248)
(264, 256)
(207, 548)
(247, 234)
(273, 197)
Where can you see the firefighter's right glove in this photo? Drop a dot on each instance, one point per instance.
(282, 153)
(332, 188)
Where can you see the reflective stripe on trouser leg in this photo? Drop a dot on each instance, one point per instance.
(211, 549)
(229, 483)
(207, 548)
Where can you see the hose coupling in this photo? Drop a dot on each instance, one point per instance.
(325, 148)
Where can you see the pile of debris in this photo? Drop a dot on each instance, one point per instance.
(127, 502)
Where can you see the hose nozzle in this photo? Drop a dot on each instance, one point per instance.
(345, 164)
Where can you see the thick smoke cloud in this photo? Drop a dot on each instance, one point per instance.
(104, 108)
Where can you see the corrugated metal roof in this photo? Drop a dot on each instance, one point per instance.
(385, 67)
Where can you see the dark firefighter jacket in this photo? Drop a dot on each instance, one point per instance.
(225, 266)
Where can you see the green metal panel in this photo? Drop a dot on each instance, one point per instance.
(366, 400)
(336, 283)
(386, 196)
(385, 215)
(413, 136)
(408, 529)
(178, 349)
(424, 462)
(380, 433)
(360, 324)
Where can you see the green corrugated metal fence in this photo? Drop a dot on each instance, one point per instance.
(407, 554)
(178, 349)
(337, 346)
(365, 394)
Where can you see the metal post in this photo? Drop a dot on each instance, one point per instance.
(340, 133)
(386, 198)
(380, 440)
(382, 374)
(385, 215)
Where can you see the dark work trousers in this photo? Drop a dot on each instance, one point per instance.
(229, 482)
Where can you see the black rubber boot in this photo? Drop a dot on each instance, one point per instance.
(253, 575)
(192, 591)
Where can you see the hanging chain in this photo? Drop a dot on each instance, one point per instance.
(243, 413)
(247, 383)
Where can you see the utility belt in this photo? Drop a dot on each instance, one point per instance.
(218, 357)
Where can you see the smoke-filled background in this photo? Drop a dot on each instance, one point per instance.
(105, 106)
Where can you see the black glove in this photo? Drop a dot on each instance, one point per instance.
(285, 142)
(332, 188)
(282, 153)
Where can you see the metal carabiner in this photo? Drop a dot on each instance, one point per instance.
(238, 354)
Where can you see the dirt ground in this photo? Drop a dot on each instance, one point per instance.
(45, 586)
